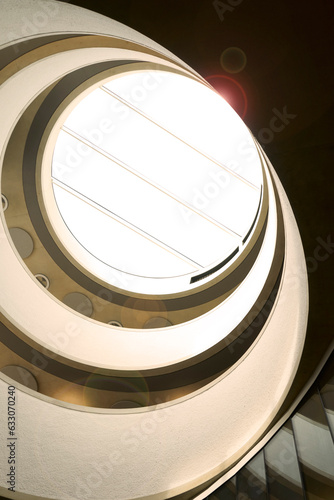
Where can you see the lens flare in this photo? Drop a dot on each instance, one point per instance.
(232, 91)
(233, 60)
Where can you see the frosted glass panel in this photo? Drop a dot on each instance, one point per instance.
(251, 479)
(113, 243)
(225, 492)
(315, 449)
(165, 160)
(282, 466)
(142, 204)
(181, 105)
(327, 395)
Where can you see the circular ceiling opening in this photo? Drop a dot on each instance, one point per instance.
(158, 182)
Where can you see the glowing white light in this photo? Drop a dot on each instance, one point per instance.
(196, 114)
(155, 175)
(116, 242)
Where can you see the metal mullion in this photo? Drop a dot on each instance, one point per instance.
(266, 472)
(301, 473)
(326, 416)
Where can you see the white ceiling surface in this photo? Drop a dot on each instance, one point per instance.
(178, 176)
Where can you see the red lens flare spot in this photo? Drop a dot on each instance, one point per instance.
(231, 90)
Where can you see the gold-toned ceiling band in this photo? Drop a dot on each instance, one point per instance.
(179, 380)
(167, 385)
(26, 52)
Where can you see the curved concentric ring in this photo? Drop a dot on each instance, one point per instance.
(211, 382)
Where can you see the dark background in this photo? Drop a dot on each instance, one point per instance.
(288, 46)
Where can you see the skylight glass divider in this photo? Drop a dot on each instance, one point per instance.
(101, 151)
(126, 223)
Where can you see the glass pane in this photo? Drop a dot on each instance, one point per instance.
(112, 242)
(164, 160)
(327, 395)
(251, 479)
(283, 474)
(225, 492)
(141, 204)
(315, 449)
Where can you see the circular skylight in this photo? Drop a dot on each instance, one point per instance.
(158, 181)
